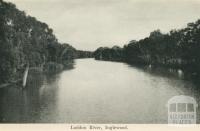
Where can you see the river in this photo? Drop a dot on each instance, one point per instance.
(96, 92)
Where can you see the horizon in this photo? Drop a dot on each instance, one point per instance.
(88, 25)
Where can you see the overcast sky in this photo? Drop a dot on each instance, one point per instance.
(89, 24)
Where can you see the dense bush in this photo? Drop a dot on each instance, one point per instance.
(25, 40)
(178, 48)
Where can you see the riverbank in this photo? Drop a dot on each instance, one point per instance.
(26, 40)
(10, 83)
(105, 91)
(177, 49)
(182, 72)
(50, 67)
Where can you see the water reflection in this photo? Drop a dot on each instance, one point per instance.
(184, 82)
(31, 104)
(96, 92)
(161, 71)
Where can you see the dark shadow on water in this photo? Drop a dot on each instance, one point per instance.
(168, 72)
(19, 105)
(175, 75)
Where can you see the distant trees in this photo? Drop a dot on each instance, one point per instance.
(84, 54)
(178, 48)
(113, 54)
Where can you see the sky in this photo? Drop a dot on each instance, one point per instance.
(89, 24)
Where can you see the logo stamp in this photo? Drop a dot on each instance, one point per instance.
(182, 110)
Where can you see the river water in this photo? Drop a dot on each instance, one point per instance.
(96, 92)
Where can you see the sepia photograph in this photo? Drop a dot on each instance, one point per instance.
(100, 62)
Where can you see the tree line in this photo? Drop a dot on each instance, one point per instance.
(177, 49)
(25, 40)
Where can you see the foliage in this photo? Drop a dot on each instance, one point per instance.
(25, 40)
(114, 54)
(178, 48)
